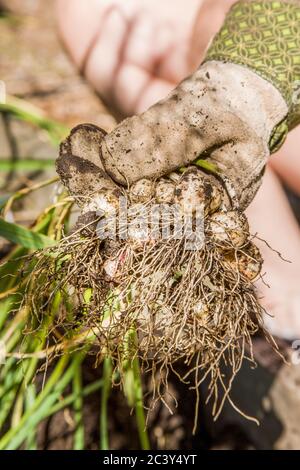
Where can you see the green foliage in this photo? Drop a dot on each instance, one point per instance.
(25, 112)
(26, 164)
(24, 404)
(23, 236)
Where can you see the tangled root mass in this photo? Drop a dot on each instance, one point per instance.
(192, 307)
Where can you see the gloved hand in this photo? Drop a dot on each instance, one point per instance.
(234, 110)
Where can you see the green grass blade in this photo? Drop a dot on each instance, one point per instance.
(31, 441)
(6, 404)
(26, 164)
(69, 400)
(24, 111)
(139, 406)
(48, 409)
(78, 410)
(107, 375)
(15, 436)
(54, 387)
(3, 199)
(206, 165)
(132, 386)
(23, 236)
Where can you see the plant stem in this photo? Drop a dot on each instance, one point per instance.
(55, 386)
(88, 390)
(132, 385)
(139, 406)
(27, 164)
(31, 443)
(78, 409)
(107, 374)
(5, 442)
(18, 410)
(25, 191)
(25, 111)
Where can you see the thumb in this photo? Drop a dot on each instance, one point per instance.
(241, 166)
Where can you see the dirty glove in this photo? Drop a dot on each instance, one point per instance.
(234, 111)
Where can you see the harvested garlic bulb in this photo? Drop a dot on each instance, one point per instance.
(229, 229)
(110, 267)
(213, 195)
(165, 192)
(104, 203)
(142, 191)
(201, 312)
(189, 193)
(196, 190)
(247, 262)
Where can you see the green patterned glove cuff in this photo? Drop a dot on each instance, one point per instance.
(264, 35)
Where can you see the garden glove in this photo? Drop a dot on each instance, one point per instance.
(234, 111)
